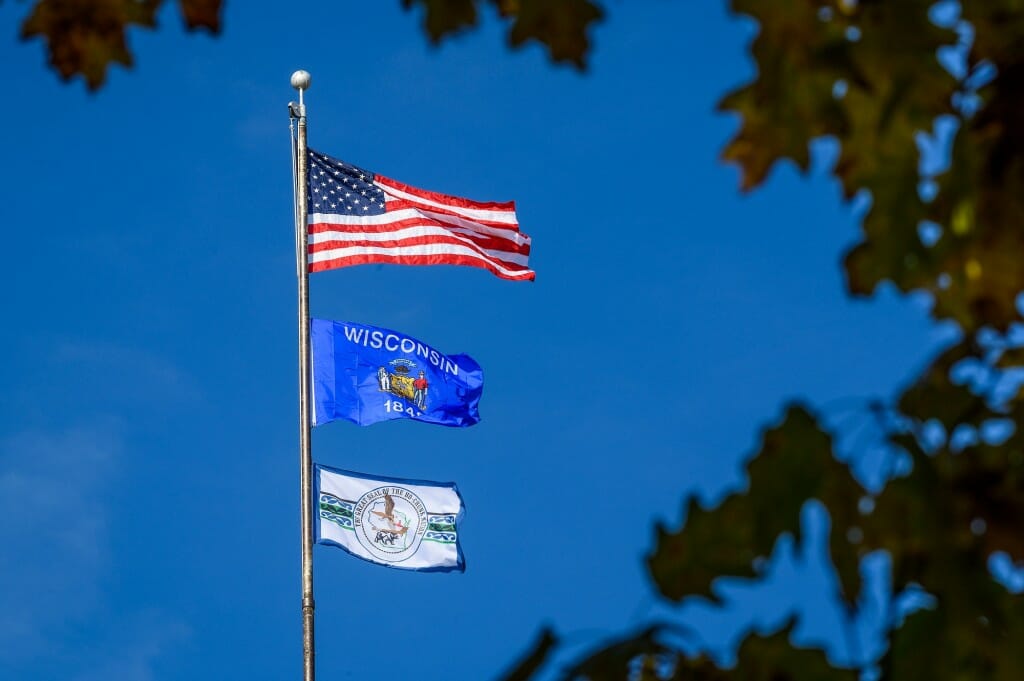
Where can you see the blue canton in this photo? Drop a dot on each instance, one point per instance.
(343, 189)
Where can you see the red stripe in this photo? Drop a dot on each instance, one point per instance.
(411, 241)
(482, 240)
(444, 198)
(419, 221)
(391, 205)
(528, 275)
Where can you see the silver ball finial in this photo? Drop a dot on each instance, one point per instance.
(300, 80)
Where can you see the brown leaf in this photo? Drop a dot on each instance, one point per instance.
(773, 658)
(766, 658)
(84, 36)
(959, 641)
(643, 655)
(790, 102)
(613, 661)
(203, 14)
(980, 207)
(934, 395)
(998, 30)
(442, 18)
(795, 464)
(895, 89)
(942, 521)
(559, 25)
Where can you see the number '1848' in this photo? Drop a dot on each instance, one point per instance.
(398, 407)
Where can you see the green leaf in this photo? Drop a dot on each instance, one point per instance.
(998, 30)
(795, 464)
(899, 90)
(934, 395)
(799, 60)
(896, 88)
(942, 521)
(959, 642)
(643, 655)
(773, 658)
(981, 206)
(766, 658)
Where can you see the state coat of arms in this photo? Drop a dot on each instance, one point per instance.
(398, 380)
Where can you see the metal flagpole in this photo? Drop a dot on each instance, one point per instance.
(300, 81)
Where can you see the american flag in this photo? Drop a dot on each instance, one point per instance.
(357, 218)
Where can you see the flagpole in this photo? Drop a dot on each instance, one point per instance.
(300, 81)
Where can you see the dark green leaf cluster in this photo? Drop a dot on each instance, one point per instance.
(876, 76)
(559, 25)
(867, 74)
(84, 37)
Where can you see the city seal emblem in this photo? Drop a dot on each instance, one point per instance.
(389, 523)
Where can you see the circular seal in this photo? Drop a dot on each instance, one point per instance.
(389, 523)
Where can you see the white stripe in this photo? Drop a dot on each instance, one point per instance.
(513, 239)
(504, 248)
(412, 232)
(499, 232)
(411, 213)
(425, 249)
(499, 215)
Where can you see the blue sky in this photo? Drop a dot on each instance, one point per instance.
(148, 445)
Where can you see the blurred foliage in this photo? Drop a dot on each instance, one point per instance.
(560, 25)
(83, 37)
(881, 79)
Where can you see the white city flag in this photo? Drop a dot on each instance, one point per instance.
(409, 524)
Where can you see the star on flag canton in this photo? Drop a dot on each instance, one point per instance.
(338, 187)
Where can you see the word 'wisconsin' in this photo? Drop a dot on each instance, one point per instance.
(395, 343)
